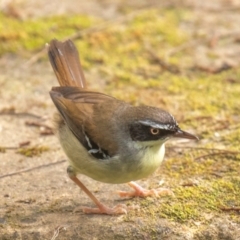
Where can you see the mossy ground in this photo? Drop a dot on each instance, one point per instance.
(143, 60)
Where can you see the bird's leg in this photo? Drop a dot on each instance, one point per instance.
(141, 192)
(101, 208)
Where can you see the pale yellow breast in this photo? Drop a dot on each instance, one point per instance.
(151, 160)
(115, 169)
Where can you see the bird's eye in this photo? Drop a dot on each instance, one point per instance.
(154, 131)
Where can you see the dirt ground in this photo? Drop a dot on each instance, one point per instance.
(41, 202)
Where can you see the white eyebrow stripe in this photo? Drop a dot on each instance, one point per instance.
(155, 125)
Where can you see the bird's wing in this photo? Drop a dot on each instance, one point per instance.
(84, 114)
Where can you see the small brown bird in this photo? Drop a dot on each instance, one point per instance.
(104, 138)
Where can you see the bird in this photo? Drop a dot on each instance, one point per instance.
(106, 139)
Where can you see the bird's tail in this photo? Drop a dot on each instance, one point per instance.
(65, 62)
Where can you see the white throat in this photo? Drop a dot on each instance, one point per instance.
(152, 156)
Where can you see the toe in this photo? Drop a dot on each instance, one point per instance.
(117, 210)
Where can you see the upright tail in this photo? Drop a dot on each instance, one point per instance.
(65, 62)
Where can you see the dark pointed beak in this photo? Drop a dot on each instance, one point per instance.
(182, 134)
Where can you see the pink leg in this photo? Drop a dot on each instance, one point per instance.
(141, 192)
(101, 208)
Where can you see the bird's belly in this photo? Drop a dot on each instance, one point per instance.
(113, 170)
(118, 170)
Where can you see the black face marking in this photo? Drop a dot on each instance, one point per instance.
(94, 149)
(142, 132)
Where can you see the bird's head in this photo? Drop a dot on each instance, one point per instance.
(152, 125)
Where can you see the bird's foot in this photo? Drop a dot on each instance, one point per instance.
(118, 209)
(141, 192)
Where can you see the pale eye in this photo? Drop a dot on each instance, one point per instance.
(154, 131)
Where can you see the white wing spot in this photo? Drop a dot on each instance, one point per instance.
(94, 151)
(88, 141)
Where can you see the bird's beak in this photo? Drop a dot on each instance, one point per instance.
(182, 134)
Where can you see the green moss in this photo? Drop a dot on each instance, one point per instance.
(32, 151)
(192, 203)
(17, 36)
